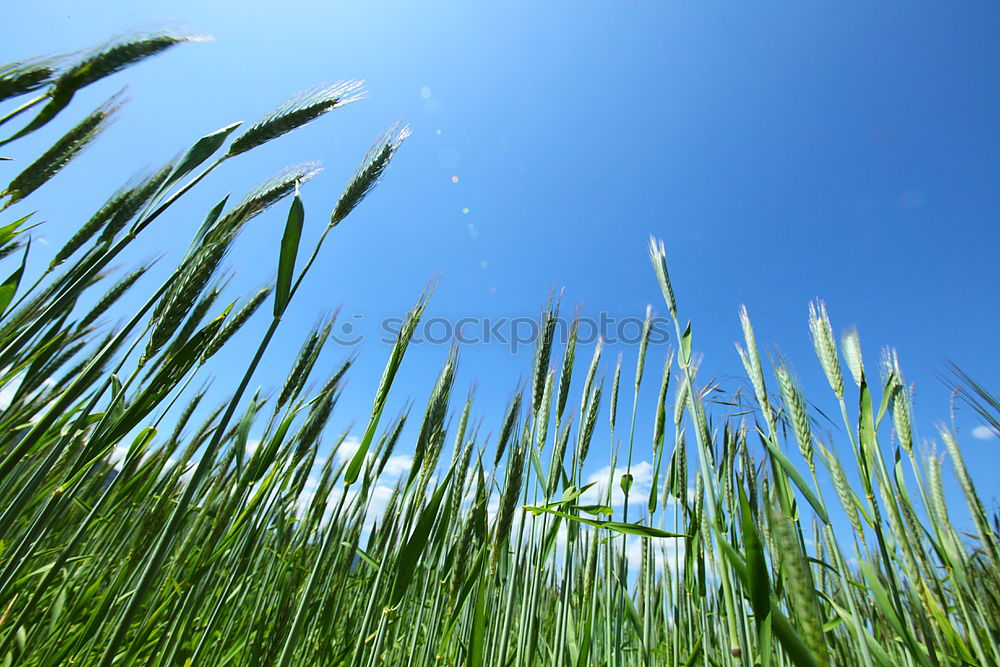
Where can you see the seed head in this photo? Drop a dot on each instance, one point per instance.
(826, 347)
(296, 112)
(369, 172)
(658, 256)
(115, 55)
(25, 76)
(851, 344)
(795, 408)
(61, 153)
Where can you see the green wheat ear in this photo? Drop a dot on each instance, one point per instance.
(112, 295)
(658, 256)
(295, 113)
(795, 408)
(261, 198)
(751, 363)
(113, 215)
(543, 351)
(61, 153)
(103, 61)
(509, 422)
(217, 241)
(590, 422)
(369, 172)
(236, 321)
(826, 346)
(304, 362)
(25, 76)
(508, 499)
(117, 54)
(566, 374)
(851, 345)
(848, 499)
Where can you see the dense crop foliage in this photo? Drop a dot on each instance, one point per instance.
(130, 538)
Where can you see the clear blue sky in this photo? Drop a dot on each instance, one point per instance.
(783, 150)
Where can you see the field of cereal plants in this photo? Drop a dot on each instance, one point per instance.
(132, 533)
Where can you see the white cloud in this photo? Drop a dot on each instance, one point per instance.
(348, 448)
(188, 472)
(983, 433)
(397, 465)
(668, 553)
(378, 500)
(117, 456)
(642, 479)
(9, 389)
(7, 395)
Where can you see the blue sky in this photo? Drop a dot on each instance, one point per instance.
(784, 151)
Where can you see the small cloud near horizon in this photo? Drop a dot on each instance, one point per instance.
(984, 433)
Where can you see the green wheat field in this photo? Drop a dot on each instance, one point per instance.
(133, 533)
